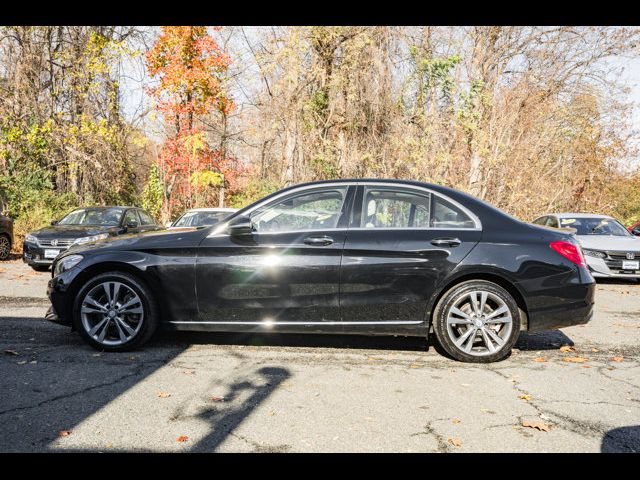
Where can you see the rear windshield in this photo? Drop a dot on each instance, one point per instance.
(594, 226)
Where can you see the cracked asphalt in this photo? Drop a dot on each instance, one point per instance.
(290, 393)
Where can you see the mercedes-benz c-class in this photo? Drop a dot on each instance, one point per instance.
(373, 257)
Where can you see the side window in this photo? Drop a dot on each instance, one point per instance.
(540, 221)
(146, 218)
(316, 210)
(551, 222)
(447, 215)
(385, 208)
(131, 216)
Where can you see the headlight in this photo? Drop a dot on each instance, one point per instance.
(67, 263)
(92, 238)
(594, 253)
(31, 239)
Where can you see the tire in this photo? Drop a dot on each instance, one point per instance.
(40, 268)
(139, 315)
(5, 247)
(455, 319)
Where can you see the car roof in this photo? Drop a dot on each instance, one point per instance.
(577, 215)
(212, 209)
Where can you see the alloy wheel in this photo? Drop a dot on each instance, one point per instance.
(5, 247)
(479, 323)
(112, 313)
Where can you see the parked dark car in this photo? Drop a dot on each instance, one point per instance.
(83, 225)
(351, 256)
(6, 236)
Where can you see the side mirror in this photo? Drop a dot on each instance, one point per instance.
(240, 226)
(636, 231)
(54, 222)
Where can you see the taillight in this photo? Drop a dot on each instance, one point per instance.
(570, 252)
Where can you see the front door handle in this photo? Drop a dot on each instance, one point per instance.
(319, 241)
(449, 242)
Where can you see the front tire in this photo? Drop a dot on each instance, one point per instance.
(115, 311)
(477, 321)
(5, 247)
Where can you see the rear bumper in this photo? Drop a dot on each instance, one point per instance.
(575, 307)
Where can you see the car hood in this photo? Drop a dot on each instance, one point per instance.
(72, 231)
(609, 242)
(142, 241)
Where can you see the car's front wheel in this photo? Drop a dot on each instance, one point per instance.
(115, 311)
(5, 247)
(477, 321)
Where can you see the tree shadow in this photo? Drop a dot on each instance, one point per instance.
(224, 421)
(621, 440)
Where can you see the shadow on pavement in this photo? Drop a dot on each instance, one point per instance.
(621, 440)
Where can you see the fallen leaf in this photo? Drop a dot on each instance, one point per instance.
(414, 365)
(163, 395)
(526, 398)
(189, 372)
(456, 420)
(64, 433)
(543, 427)
(456, 442)
(539, 359)
(182, 438)
(567, 348)
(617, 359)
(11, 352)
(586, 366)
(216, 399)
(595, 350)
(575, 359)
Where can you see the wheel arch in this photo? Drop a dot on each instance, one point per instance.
(115, 266)
(490, 277)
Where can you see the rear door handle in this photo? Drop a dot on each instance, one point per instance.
(449, 242)
(319, 241)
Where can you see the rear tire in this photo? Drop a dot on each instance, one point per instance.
(5, 247)
(115, 312)
(40, 268)
(477, 321)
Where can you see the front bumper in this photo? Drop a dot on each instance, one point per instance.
(59, 291)
(599, 269)
(34, 254)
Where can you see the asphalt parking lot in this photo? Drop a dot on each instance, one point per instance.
(574, 390)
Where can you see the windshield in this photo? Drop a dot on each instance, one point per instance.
(595, 226)
(200, 219)
(93, 216)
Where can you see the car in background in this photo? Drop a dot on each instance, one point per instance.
(610, 250)
(83, 225)
(201, 217)
(635, 229)
(6, 236)
(373, 257)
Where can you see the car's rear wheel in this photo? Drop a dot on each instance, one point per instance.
(477, 321)
(5, 247)
(40, 268)
(115, 311)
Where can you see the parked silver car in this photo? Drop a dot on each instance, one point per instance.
(609, 249)
(201, 217)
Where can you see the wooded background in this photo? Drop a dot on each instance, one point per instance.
(531, 119)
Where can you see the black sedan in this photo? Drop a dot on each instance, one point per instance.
(83, 225)
(351, 256)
